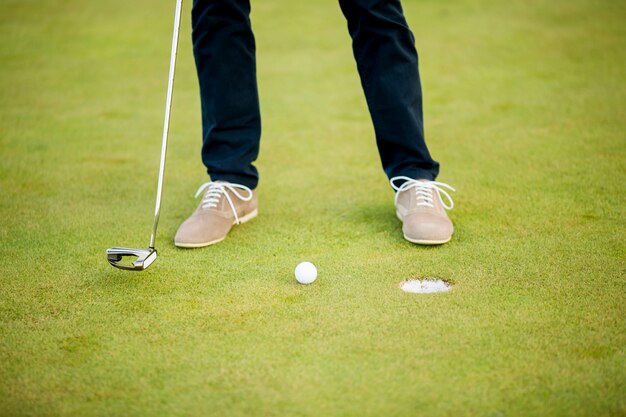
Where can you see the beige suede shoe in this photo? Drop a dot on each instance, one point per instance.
(422, 210)
(222, 206)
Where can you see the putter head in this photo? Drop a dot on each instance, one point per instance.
(144, 258)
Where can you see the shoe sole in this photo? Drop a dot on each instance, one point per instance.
(242, 220)
(422, 241)
(428, 242)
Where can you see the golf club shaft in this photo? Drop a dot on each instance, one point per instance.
(166, 123)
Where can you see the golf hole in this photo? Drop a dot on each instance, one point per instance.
(426, 285)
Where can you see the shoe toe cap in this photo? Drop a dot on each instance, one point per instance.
(201, 230)
(427, 229)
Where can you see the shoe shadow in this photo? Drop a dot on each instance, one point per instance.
(377, 220)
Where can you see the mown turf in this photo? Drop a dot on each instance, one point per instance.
(525, 109)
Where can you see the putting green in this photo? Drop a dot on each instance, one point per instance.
(525, 105)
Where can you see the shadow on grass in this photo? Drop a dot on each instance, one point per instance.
(379, 220)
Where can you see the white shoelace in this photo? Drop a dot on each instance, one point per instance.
(215, 191)
(424, 191)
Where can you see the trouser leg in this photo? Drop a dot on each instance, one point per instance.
(384, 50)
(224, 52)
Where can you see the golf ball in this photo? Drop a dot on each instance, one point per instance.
(306, 272)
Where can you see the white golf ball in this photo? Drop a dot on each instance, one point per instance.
(306, 272)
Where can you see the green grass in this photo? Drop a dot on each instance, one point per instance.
(525, 109)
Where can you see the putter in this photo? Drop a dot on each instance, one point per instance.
(143, 258)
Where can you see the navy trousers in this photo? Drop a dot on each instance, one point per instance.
(386, 58)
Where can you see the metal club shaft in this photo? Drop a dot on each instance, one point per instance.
(166, 123)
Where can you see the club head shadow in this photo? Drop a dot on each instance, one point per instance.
(143, 258)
